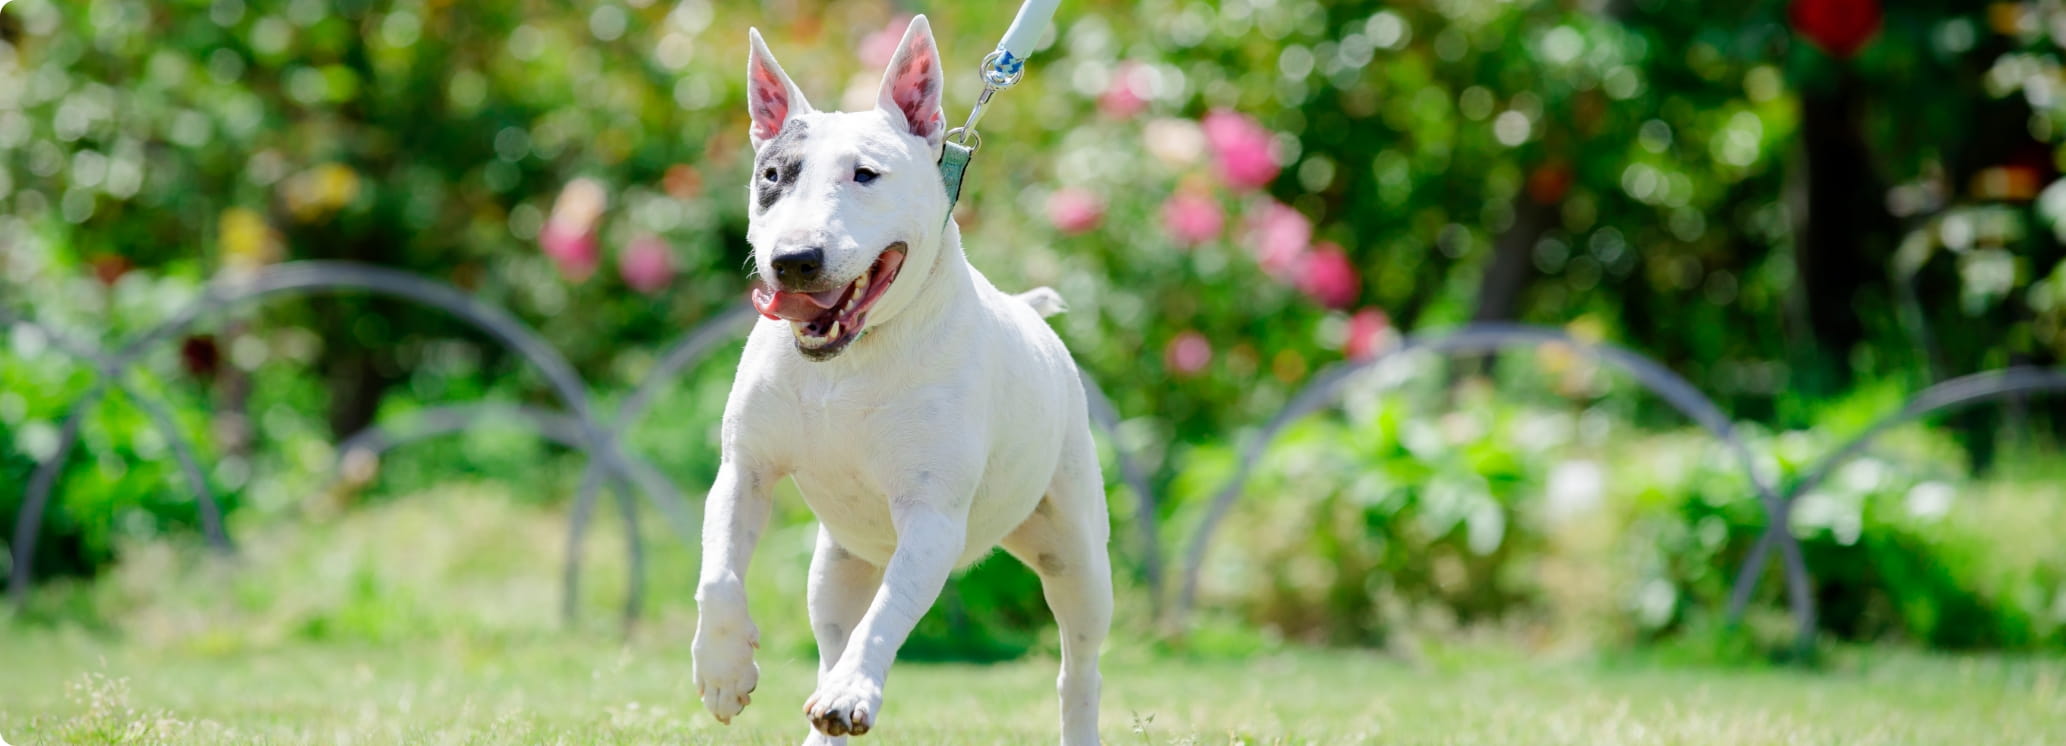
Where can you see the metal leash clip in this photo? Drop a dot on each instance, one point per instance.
(1000, 70)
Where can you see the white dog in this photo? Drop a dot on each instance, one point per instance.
(925, 415)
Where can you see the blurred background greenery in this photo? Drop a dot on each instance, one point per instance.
(1809, 208)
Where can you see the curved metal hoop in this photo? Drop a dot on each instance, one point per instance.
(1956, 393)
(1328, 385)
(610, 466)
(302, 277)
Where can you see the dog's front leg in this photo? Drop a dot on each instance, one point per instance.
(735, 514)
(849, 695)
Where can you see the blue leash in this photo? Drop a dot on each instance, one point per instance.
(1001, 69)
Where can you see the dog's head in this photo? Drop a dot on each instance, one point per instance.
(846, 207)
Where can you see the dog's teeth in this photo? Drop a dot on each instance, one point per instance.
(861, 285)
(834, 332)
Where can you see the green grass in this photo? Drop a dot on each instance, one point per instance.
(434, 619)
(71, 688)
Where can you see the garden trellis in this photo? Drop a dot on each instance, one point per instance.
(610, 465)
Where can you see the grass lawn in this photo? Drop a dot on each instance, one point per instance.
(71, 689)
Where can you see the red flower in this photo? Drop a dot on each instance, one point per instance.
(108, 268)
(1241, 146)
(1839, 27)
(646, 264)
(1074, 210)
(1192, 218)
(200, 355)
(1549, 182)
(1329, 277)
(1367, 331)
(1188, 353)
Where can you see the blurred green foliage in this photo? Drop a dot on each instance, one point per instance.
(1231, 195)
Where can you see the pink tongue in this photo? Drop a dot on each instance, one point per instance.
(778, 304)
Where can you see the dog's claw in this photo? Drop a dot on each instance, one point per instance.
(724, 674)
(844, 705)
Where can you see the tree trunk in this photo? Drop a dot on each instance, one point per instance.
(1839, 216)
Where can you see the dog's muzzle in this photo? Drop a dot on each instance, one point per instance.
(826, 321)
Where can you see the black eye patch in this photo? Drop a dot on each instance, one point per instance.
(779, 163)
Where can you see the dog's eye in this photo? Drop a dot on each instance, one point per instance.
(864, 175)
(770, 174)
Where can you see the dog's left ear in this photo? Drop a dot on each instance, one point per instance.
(911, 85)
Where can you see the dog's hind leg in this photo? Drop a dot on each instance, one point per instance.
(1064, 541)
(841, 585)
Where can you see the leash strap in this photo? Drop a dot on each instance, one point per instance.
(953, 164)
(1001, 69)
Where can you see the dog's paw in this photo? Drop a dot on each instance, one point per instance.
(724, 670)
(845, 704)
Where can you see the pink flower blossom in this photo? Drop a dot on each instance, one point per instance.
(881, 44)
(569, 233)
(1280, 236)
(1242, 148)
(571, 248)
(1191, 218)
(1367, 333)
(1122, 97)
(1329, 277)
(1074, 210)
(646, 264)
(1188, 353)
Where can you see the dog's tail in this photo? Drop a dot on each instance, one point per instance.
(1044, 300)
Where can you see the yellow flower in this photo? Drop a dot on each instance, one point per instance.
(320, 191)
(246, 241)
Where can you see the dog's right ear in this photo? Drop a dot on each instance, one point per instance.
(770, 96)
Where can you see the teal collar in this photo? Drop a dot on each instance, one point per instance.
(953, 165)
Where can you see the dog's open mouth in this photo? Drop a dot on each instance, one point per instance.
(825, 322)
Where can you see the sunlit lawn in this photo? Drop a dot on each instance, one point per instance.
(69, 689)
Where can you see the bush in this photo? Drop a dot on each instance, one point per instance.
(1355, 525)
(1898, 550)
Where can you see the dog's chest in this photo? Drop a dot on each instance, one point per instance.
(840, 449)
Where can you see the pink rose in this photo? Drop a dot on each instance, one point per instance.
(1074, 210)
(1279, 235)
(1241, 147)
(646, 264)
(881, 44)
(1188, 353)
(1367, 333)
(569, 233)
(1327, 275)
(1122, 98)
(571, 248)
(1191, 218)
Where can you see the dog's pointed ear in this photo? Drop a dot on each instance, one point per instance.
(911, 85)
(771, 98)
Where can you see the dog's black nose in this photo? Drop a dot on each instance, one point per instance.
(799, 266)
